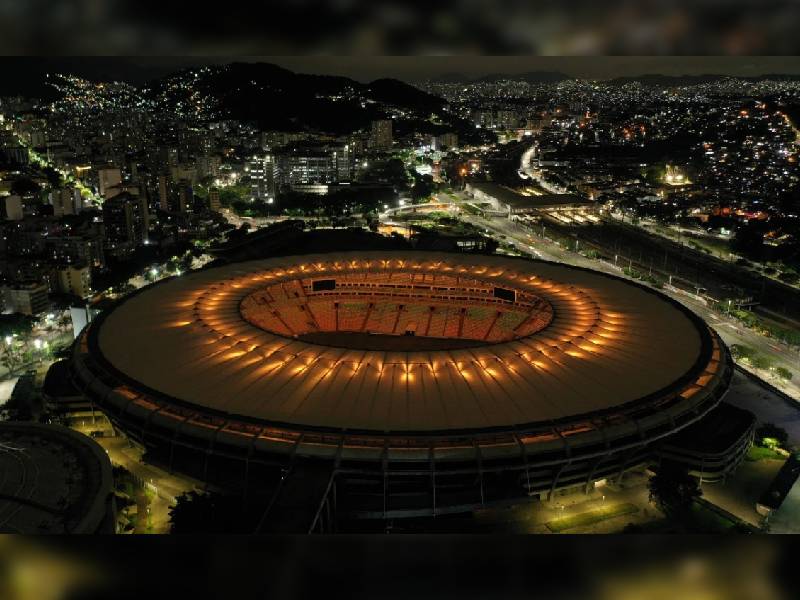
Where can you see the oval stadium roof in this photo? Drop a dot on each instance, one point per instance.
(553, 343)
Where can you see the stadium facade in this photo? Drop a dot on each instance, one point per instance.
(402, 383)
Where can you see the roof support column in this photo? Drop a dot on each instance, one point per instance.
(554, 484)
(596, 464)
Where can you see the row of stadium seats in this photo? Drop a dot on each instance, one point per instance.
(291, 312)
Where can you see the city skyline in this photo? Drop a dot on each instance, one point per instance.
(364, 69)
(356, 305)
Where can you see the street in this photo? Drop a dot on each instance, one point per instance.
(530, 241)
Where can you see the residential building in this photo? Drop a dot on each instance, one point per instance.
(107, 178)
(13, 208)
(75, 280)
(125, 221)
(382, 134)
(28, 298)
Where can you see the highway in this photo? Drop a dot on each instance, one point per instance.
(530, 241)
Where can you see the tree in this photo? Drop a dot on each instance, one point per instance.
(209, 512)
(674, 490)
(16, 323)
(739, 351)
(784, 373)
(777, 436)
(25, 186)
(761, 362)
(229, 195)
(11, 360)
(423, 187)
(53, 176)
(749, 239)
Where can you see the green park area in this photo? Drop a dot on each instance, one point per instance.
(756, 453)
(591, 517)
(701, 517)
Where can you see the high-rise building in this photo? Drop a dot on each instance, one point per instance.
(131, 188)
(213, 200)
(495, 119)
(74, 249)
(172, 156)
(344, 163)
(28, 298)
(75, 280)
(308, 167)
(184, 171)
(483, 118)
(185, 196)
(15, 154)
(447, 141)
(382, 134)
(38, 138)
(175, 195)
(319, 164)
(125, 221)
(13, 208)
(261, 173)
(208, 165)
(506, 119)
(25, 239)
(66, 201)
(163, 192)
(108, 178)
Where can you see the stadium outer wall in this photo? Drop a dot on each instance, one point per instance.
(369, 475)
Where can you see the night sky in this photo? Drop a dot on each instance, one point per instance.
(26, 74)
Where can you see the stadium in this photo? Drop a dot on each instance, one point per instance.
(388, 384)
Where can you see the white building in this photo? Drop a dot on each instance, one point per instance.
(13, 208)
(108, 178)
(26, 298)
(75, 280)
(66, 201)
(260, 171)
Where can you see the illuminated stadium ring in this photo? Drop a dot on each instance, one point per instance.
(405, 355)
(445, 310)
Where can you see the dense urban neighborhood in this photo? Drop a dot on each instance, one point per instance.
(663, 212)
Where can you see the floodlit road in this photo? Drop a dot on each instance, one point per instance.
(732, 332)
(165, 486)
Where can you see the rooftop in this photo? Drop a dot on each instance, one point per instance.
(516, 200)
(54, 480)
(556, 342)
